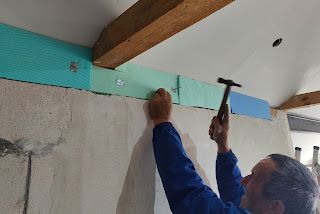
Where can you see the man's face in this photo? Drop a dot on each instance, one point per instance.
(253, 200)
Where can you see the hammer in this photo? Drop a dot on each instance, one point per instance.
(229, 83)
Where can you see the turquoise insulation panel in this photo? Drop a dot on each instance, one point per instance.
(133, 81)
(195, 93)
(30, 57)
(245, 105)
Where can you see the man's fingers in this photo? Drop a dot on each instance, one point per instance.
(217, 131)
(215, 128)
(225, 121)
(156, 95)
(211, 129)
(216, 122)
(211, 137)
(213, 119)
(162, 92)
(169, 95)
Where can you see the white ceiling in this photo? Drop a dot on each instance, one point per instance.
(235, 42)
(313, 84)
(76, 21)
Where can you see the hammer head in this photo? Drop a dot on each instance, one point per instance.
(228, 82)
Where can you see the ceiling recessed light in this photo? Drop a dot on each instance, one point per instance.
(277, 42)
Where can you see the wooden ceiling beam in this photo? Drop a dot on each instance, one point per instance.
(274, 112)
(146, 24)
(301, 101)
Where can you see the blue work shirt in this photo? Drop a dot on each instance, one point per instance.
(184, 188)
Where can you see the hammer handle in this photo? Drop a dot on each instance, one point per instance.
(223, 104)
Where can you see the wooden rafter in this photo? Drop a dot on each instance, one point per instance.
(146, 24)
(301, 101)
(273, 112)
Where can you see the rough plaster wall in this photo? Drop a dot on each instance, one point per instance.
(105, 163)
(31, 110)
(13, 173)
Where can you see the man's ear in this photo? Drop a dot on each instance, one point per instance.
(276, 207)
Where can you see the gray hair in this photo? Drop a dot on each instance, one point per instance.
(293, 184)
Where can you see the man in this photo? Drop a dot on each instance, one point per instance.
(277, 185)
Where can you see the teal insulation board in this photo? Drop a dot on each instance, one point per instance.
(136, 81)
(195, 93)
(30, 57)
(245, 105)
(133, 81)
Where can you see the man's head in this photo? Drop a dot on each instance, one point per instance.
(280, 185)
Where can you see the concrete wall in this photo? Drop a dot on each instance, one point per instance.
(93, 153)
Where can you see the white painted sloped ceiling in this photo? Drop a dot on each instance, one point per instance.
(235, 42)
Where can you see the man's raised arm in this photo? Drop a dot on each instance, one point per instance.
(227, 172)
(184, 188)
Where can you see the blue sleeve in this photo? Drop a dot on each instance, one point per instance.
(228, 178)
(184, 188)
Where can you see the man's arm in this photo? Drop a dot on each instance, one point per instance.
(227, 172)
(228, 178)
(184, 188)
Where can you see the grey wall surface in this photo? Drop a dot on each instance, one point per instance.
(93, 153)
(13, 173)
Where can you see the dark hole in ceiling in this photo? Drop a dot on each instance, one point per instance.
(277, 42)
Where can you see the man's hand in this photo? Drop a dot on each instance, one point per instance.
(161, 107)
(219, 132)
